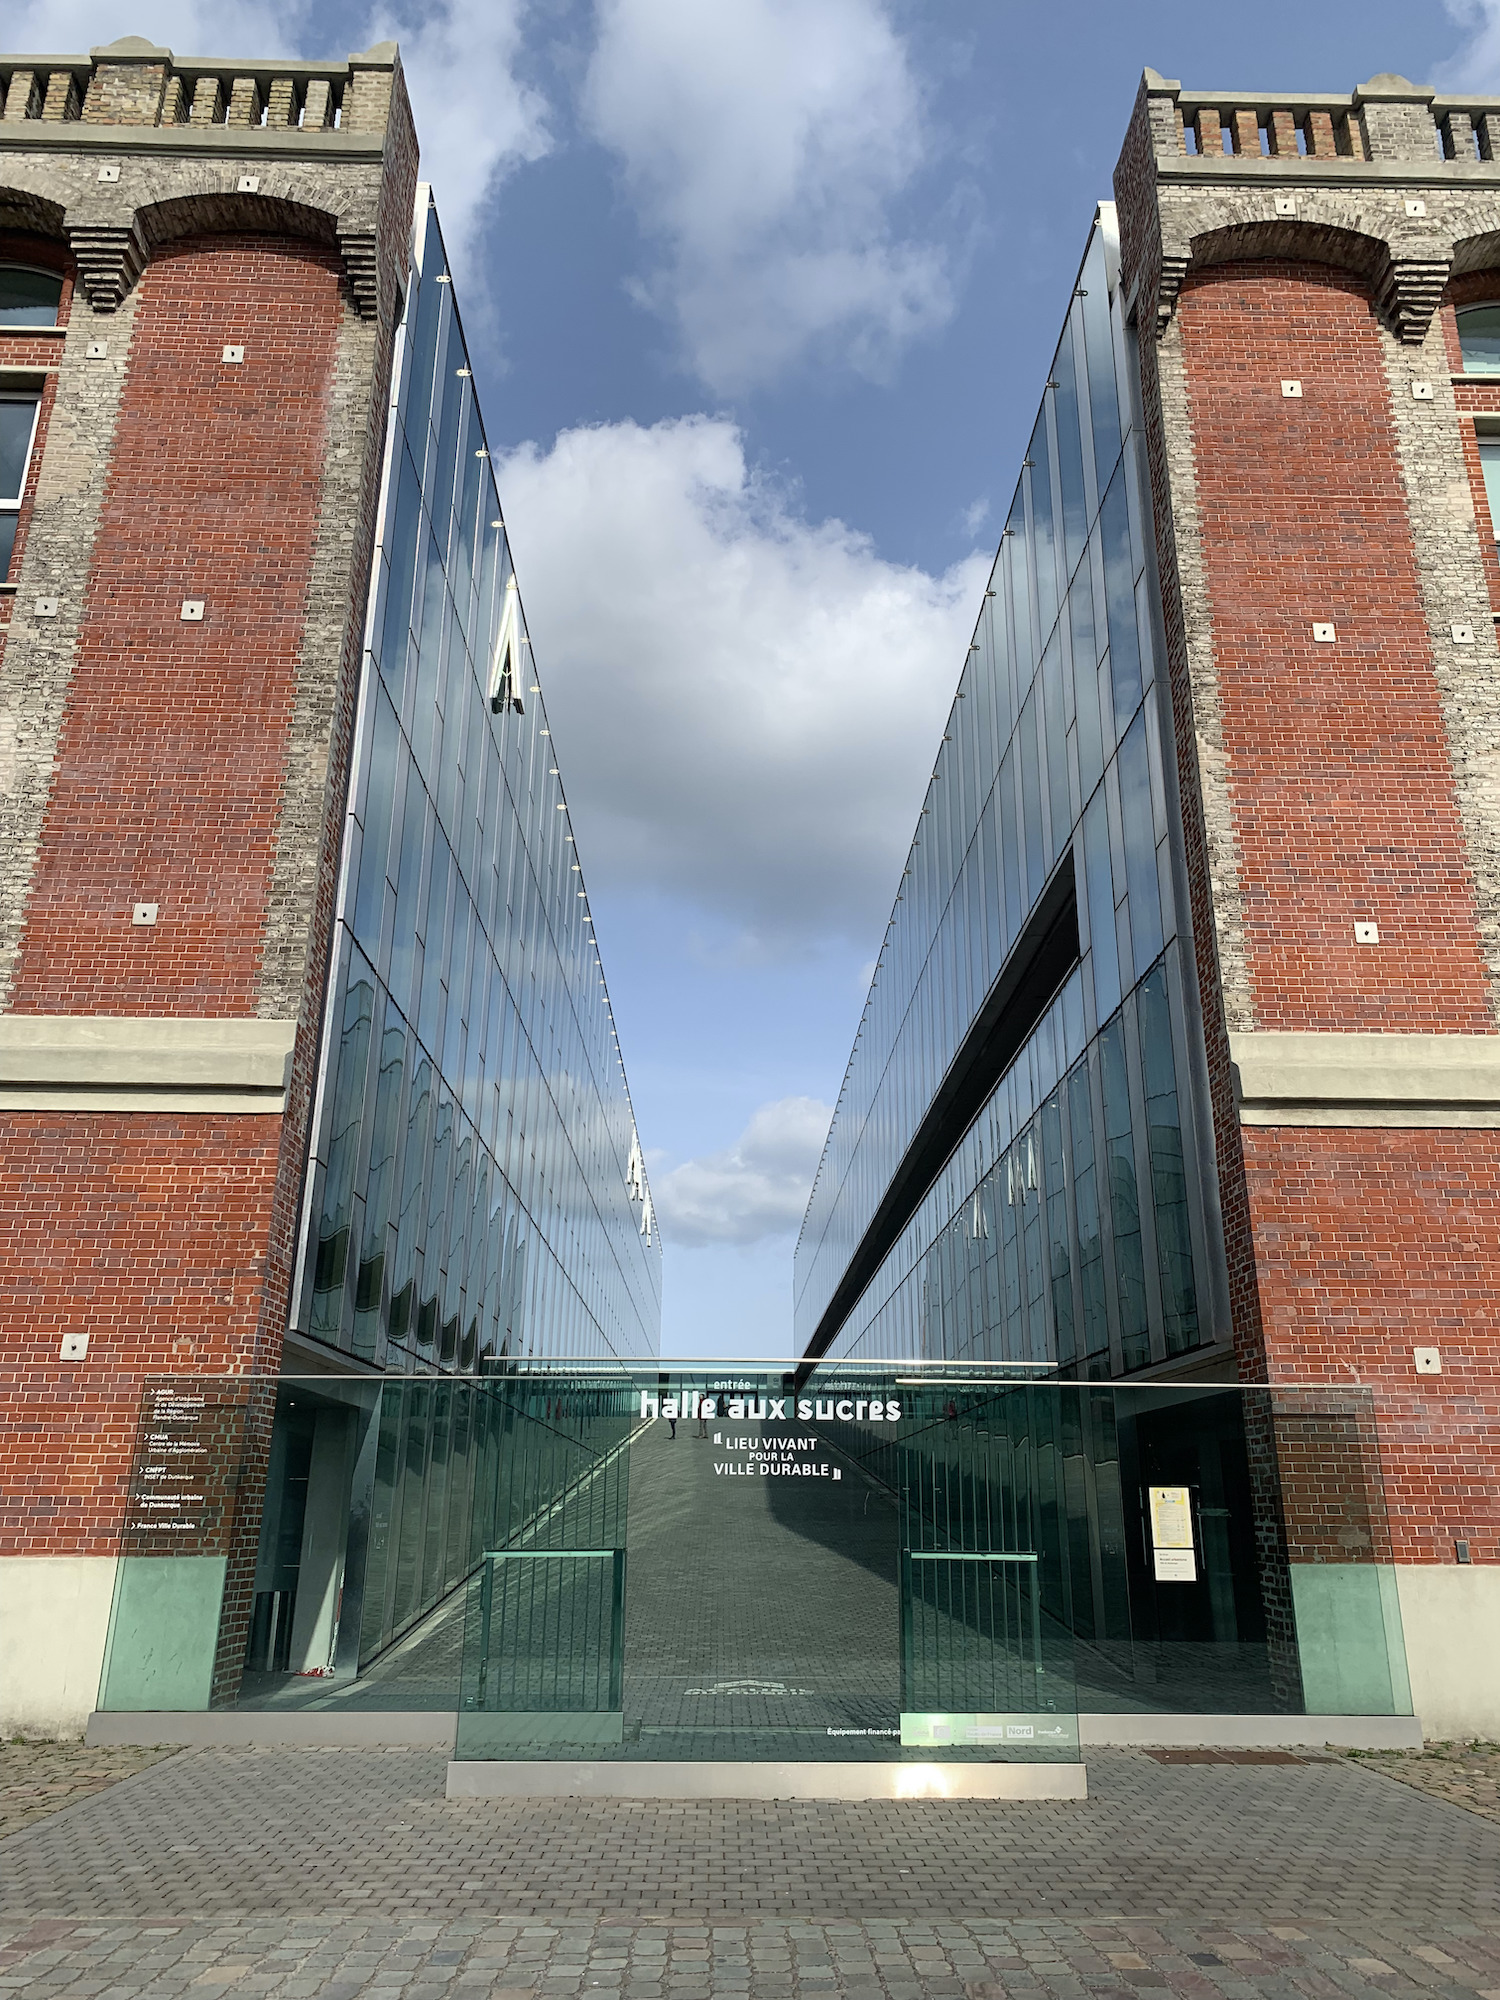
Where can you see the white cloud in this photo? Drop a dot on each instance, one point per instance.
(746, 703)
(763, 142)
(475, 119)
(756, 1188)
(234, 28)
(1476, 64)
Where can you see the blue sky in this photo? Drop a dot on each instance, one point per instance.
(761, 294)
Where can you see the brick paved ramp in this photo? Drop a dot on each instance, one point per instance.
(319, 1875)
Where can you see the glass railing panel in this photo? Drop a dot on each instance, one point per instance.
(544, 1653)
(982, 1666)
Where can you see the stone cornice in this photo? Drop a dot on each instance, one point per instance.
(1364, 1080)
(1233, 170)
(99, 1063)
(193, 141)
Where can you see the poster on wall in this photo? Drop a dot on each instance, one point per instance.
(1172, 1534)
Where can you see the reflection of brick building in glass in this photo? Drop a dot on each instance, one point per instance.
(1181, 1059)
(306, 1059)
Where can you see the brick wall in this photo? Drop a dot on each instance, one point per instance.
(164, 1236)
(173, 748)
(151, 1232)
(1370, 1243)
(1339, 769)
(199, 766)
(1339, 774)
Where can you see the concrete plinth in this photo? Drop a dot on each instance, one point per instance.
(433, 1729)
(689, 1780)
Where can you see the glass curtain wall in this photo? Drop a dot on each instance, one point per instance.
(1073, 1223)
(476, 1188)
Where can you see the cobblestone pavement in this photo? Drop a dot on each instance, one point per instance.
(1467, 1774)
(322, 1875)
(37, 1778)
(335, 1958)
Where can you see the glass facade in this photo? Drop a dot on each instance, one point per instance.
(476, 1189)
(1071, 1225)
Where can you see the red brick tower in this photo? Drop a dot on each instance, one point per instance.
(200, 274)
(1300, 275)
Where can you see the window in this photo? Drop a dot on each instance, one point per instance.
(17, 429)
(28, 298)
(1479, 339)
(1489, 459)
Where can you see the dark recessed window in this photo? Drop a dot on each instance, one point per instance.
(28, 298)
(1479, 339)
(17, 429)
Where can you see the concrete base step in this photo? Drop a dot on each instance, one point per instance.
(703, 1780)
(435, 1729)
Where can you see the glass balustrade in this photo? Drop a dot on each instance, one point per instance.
(903, 1562)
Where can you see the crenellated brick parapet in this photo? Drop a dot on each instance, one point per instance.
(1384, 120)
(1393, 182)
(127, 149)
(134, 84)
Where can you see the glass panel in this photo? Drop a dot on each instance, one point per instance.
(915, 1562)
(1124, 1199)
(1174, 1249)
(401, 557)
(1055, 735)
(380, 1188)
(1119, 584)
(1489, 459)
(1039, 457)
(1479, 339)
(28, 298)
(1037, 846)
(1098, 336)
(1140, 845)
(1094, 1341)
(17, 421)
(379, 790)
(179, 1533)
(1099, 888)
(1014, 544)
(331, 1265)
(1069, 452)
(1059, 1236)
